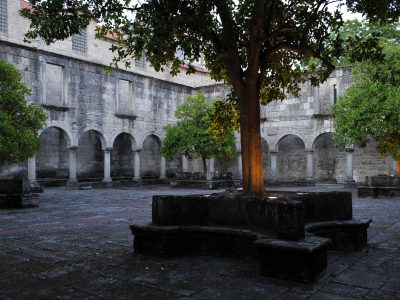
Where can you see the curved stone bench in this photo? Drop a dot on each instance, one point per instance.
(344, 234)
(299, 260)
(287, 233)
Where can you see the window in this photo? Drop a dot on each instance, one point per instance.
(125, 97)
(79, 42)
(141, 63)
(54, 85)
(3, 16)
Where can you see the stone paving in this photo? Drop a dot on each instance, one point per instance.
(77, 245)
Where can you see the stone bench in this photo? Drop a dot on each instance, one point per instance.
(17, 194)
(301, 260)
(344, 234)
(287, 233)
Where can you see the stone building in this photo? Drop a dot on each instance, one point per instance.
(108, 125)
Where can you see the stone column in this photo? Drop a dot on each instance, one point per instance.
(273, 164)
(136, 170)
(107, 165)
(72, 180)
(310, 160)
(239, 165)
(162, 168)
(349, 167)
(32, 170)
(185, 164)
(211, 167)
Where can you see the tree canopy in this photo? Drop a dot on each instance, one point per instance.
(256, 46)
(191, 135)
(19, 121)
(370, 108)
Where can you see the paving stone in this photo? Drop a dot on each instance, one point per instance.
(392, 285)
(361, 278)
(329, 296)
(77, 245)
(344, 290)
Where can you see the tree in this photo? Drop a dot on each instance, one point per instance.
(19, 121)
(370, 108)
(258, 46)
(191, 135)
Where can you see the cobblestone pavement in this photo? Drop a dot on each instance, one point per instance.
(77, 245)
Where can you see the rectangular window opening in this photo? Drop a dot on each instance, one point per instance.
(79, 42)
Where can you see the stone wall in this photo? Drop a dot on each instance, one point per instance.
(291, 160)
(90, 156)
(52, 158)
(91, 108)
(150, 158)
(122, 164)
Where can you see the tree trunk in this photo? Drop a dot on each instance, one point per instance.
(398, 163)
(253, 178)
(204, 160)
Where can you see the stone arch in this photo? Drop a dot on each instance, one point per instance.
(105, 144)
(150, 157)
(122, 155)
(274, 144)
(129, 136)
(327, 157)
(90, 155)
(66, 131)
(52, 159)
(291, 158)
(156, 135)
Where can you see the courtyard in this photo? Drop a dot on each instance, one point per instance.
(77, 245)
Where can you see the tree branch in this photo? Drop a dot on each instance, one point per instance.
(255, 41)
(230, 40)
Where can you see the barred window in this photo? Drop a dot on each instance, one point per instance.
(140, 63)
(3, 16)
(79, 42)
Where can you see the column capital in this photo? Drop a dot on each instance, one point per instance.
(108, 149)
(309, 151)
(73, 148)
(273, 152)
(138, 150)
(350, 150)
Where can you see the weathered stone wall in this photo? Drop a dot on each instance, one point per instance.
(122, 164)
(81, 98)
(291, 159)
(368, 161)
(325, 158)
(52, 158)
(90, 156)
(150, 158)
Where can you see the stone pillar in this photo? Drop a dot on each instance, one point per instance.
(310, 160)
(185, 164)
(136, 170)
(239, 165)
(162, 168)
(211, 167)
(391, 166)
(72, 180)
(349, 168)
(273, 164)
(107, 165)
(32, 170)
